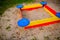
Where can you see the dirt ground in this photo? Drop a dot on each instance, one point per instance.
(9, 29)
(36, 14)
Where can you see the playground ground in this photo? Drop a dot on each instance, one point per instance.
(9, 29)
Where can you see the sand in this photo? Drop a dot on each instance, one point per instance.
(9, 30)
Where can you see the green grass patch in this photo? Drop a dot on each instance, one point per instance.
(5, 4)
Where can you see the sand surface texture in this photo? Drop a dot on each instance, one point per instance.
(9, 29)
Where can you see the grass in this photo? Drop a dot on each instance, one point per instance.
(5, 4)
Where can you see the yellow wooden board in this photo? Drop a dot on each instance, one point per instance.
(32, 6)
(53, 18)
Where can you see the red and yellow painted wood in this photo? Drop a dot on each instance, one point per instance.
(43, 22)
(32, 6)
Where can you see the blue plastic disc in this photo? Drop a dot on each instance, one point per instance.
(58, 14)
(19, 6)
(23, 22)
(43, 2)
